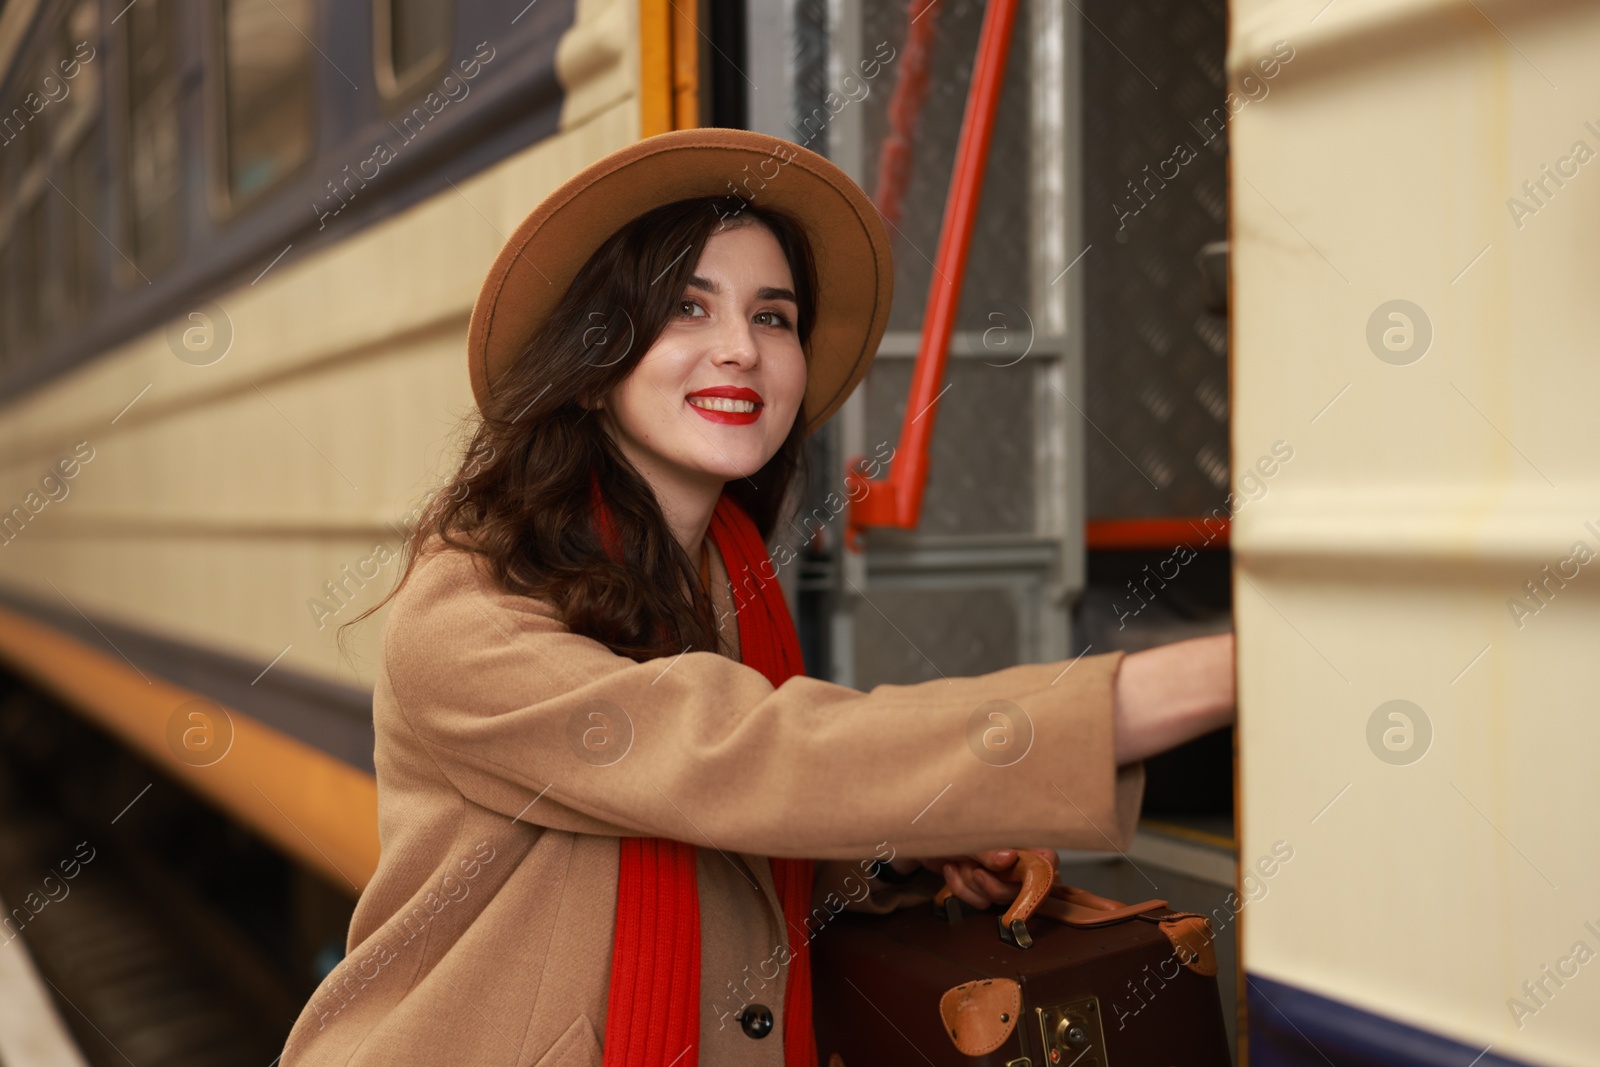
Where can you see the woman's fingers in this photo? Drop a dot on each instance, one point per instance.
(997, 890)
(997, 859)
(960, 884)
(1045, 854)
(979, 879)
(974, 885)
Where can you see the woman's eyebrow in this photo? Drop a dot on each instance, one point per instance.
(766, 292)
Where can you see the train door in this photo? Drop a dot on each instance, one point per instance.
(1414, 210)
(1077, 499)
(986, 577)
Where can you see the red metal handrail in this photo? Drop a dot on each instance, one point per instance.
(897, 500)
(896, 154)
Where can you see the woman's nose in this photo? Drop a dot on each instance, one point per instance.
(735, 345)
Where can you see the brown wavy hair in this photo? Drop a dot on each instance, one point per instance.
(521, 497)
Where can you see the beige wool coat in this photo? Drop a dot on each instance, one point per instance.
(512, 754)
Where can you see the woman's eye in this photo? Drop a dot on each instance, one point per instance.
(690, 309)
(773, 318)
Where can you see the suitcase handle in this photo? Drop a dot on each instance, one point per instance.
(1042, 894)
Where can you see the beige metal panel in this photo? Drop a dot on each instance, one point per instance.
(1425, 488)
(217, 505)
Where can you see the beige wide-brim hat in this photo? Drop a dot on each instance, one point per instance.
(855, 272)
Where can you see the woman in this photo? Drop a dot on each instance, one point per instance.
(613, 812)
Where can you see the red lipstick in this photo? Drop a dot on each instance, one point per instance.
(746, 402)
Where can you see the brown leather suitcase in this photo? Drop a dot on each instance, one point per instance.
(1099, 984)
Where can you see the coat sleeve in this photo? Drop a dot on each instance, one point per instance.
(527, 719)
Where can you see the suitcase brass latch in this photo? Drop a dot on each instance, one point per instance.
(1071, 1034)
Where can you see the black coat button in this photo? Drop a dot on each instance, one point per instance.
(756, 1020)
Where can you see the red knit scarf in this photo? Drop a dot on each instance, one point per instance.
(653, 1014)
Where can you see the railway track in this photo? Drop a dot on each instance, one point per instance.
(132, 913)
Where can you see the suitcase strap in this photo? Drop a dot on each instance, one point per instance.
(1190, 934)
(1079, 907)
(1042, 894)
(1036, 875)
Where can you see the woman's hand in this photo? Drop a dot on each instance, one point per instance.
(972, 878)
(1173, 693)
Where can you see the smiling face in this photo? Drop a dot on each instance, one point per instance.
(716, 395)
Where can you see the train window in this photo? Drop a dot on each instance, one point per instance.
(30, 143)
(267, 95)
(83, 246)
(15, 160)
(57, 94)
(28, 269)
(78, 217)
(77, 35)
(5, 316)
(412, 39)
(6, 274)
(154, 178)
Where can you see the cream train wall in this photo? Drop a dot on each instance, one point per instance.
(1432, 876)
